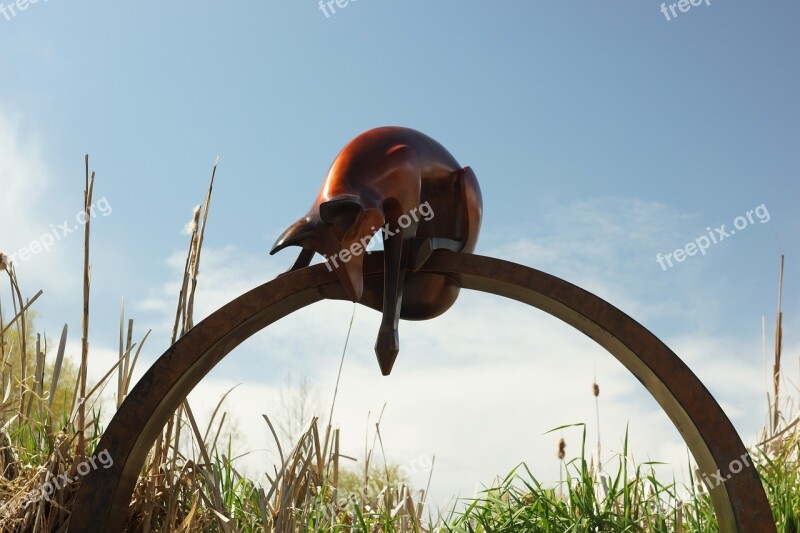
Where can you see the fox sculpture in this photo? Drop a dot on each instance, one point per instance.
(405, 186)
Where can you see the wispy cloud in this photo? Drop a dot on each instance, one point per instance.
(480, 386)
(26, 206)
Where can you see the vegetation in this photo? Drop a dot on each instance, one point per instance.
(49, 426)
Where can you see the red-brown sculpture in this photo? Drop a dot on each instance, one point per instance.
(406, 186)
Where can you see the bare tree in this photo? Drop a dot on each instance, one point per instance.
(298, 403)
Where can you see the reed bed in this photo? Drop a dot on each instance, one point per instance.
(49, 425)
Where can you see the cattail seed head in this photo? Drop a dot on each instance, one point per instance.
(191, 227)
(595, 389)
(562, 449)
(3, 261)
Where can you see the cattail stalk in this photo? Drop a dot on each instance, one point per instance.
(596, 394)
(776, 369)
(87, 205)
(562, 453)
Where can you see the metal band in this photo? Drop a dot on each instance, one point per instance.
(104, 495)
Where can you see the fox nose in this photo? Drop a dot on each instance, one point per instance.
(293, 236)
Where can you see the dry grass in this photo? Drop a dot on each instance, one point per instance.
(189, 482)
(49, 424)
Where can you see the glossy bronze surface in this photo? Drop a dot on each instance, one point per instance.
(104, 495)
(407, 188)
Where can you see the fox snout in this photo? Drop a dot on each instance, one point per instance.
(294, 235)
(339, 230)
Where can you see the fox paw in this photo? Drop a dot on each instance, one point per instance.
(386, 348)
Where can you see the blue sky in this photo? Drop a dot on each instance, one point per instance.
(602, 134)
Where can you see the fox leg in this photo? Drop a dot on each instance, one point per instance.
(422, 249)
(399, 200)
(303, 260)
(388, 344)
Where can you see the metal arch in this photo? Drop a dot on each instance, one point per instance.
(104, 495)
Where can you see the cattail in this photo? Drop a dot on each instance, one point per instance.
(596, 393)
(562, 452)
(3, 261)
(191, 227)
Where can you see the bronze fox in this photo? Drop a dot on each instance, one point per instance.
(406, 186)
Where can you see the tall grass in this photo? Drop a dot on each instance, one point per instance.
(49, 422)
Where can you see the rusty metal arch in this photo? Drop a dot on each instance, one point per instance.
(104, 495)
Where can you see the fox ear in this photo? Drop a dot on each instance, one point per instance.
(342, 206)
(293, 236)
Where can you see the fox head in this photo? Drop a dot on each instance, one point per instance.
(332, 227)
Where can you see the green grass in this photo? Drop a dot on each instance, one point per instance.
(190, 481)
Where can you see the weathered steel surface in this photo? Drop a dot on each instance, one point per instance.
(104, 495)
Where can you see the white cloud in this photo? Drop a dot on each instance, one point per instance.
(22, 174)
(27, 211)
(480, 386)
(608, 246)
